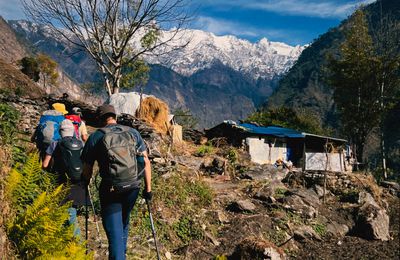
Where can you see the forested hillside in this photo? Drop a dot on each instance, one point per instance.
(311, 82)
(305, 86)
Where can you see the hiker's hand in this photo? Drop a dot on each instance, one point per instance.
(147, 195)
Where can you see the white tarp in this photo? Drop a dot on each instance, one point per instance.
(260, 151)
(126, 103)
(320, 162)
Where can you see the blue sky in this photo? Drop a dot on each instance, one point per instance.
(290, 21)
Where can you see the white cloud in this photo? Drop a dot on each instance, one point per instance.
(224, 27)
(11, 9)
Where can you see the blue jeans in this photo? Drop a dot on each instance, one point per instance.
(115, 212)
(72, 221)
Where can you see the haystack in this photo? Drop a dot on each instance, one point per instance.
(154, 112)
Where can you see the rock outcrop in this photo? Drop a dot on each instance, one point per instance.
(372, 219)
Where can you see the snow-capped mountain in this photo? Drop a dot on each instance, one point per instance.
(263, 59)
(215, 77)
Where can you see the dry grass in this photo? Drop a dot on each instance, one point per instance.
(155, 112)
(6, 251)
(368, 183)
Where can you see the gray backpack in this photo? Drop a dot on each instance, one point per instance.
(120, 146)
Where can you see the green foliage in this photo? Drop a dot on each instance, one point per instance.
(150, 38)
(39, 228)
(183, 197)
(185, 118)
(179, 191)
(187, 230)
(280, 192)
(24, 186)
(30, 67)
(48, 69)
(135, 73)
(297, 119)
(220, 257)
(203, 150)
(9, 118)
(319, 228)
(354, 80)
(232, 156)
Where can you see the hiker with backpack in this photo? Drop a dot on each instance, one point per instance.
(67, 165)
(48, 129)
(116, 148)
(80, 127)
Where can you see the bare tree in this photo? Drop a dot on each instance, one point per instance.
(114, 32)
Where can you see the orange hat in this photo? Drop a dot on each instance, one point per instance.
(60, 108)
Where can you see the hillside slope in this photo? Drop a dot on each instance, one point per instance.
(13, 48)
(10, 49)
(13, 81)
(304, 85)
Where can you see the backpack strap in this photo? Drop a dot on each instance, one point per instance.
(107, 130)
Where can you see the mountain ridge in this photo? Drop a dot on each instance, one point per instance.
(210, 82)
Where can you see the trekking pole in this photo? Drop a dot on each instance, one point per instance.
(94, 213)
(153, 230)
(86, 218)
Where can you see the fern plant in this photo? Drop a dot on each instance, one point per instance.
(39, 228)
(24, 186)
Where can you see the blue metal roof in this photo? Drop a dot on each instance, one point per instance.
(271, 130)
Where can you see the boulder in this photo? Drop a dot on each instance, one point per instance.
(336, 230)
(242, 206)
(256, 248)
(303, 202)
(264, 172)
(306, 233)
(319, 190)
(268, 191)
(372, 221)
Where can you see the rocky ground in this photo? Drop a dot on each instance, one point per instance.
(257, 212)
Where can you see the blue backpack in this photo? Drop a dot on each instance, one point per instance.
(49, 128)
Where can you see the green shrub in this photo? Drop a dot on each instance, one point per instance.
(39, 228)
(9, 118)
(319, 228)
(280, 192)
(24, 186)
(232, 156)
(178, 195)
(187, 230)
(203, 150)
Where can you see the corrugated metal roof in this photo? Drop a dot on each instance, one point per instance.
(271, 130)
(279, 132)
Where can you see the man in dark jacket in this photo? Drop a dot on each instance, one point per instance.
(117, 201)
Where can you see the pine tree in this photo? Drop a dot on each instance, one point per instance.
(354, 80)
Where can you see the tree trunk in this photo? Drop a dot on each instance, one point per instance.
(141, 99)
(383, 154)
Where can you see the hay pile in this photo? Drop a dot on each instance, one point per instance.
(154, 112)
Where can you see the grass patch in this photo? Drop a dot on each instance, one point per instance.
(319, 228)
(187, 230)
(280, 192)
(204, 150)
(177, 213)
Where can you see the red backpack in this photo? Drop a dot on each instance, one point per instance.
(76, 120)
